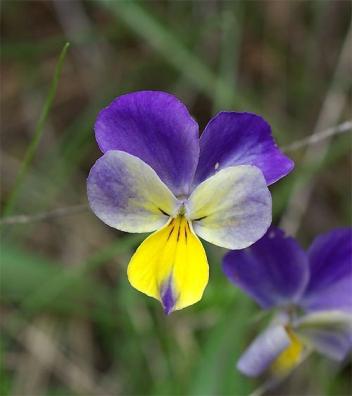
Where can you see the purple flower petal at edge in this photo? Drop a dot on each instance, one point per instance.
(232, 138)
(330, 285)
(263, 351)
(329, 332)
(273, 271)
(157, 128)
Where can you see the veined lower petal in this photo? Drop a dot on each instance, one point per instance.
(171, 266)
(329, 332)
(127, 194)
(231, 209)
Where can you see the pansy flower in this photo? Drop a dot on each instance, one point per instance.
(156, 174)
(309, 291)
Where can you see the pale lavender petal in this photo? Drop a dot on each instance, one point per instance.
(330, 285)
(231, 209)
(273, 271)
(263, 351)
(127, 194)
(233, 138)
(157, 128)
(329, 332)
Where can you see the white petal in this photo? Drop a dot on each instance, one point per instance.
(263, 351)
(329, 332)
(127, 194)
(231, 209)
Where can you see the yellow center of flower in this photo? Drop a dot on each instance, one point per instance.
(171, 265)
(290, 357)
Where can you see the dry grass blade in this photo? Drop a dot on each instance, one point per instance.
(331, 110)
(60, 212)
(319, 136)
(46, 350)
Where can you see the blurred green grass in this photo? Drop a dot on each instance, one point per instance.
(70, 272)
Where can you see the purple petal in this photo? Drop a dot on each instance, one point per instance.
(232, 138)
(168, 297)
(273, 271)
(330, 285)
(329, 332)
(263, 351)
(157, 128)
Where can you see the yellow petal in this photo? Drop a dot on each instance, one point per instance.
(290, 357)
(171, 266)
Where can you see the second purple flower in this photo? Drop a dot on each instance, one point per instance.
(310, 292)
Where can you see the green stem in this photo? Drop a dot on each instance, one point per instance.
(32, 148)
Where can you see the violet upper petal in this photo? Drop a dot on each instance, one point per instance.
(232, 138)
(263, 351)
(273, 271)
(157, 128)
(330, 284)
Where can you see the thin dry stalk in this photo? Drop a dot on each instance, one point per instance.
(333, 105)
(46, 351)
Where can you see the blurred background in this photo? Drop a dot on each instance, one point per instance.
(70, 322)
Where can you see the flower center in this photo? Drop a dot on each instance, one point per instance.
(181, 210)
